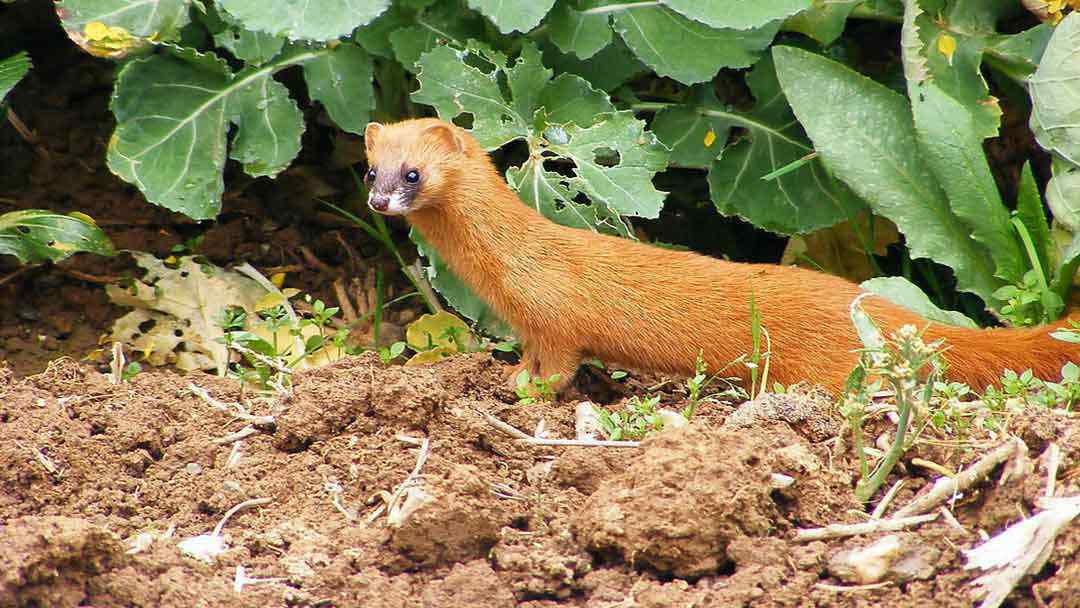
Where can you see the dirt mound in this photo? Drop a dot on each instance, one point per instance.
(102, 483)
(690, 494)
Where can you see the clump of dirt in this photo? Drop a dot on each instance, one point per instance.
(678, 506)
(104, 480)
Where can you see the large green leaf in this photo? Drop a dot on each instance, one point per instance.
(1063, 194)
(161, 19)
(341, 80)
(574, 31)
(950, 135)
(453, 87)
(1055, 89)
(12, 70)
(1066, 270)
(309, 20)
(446, 21)
(902, 292)
(694, 136)
(864, 133)
(686, 50)
(737, 14)
(798, 201)
(607, 70)
(250, 47)
(172, 115)
(513, 16)
(1029, 208)
(824, 21)
(37, 235)
(1019, 54)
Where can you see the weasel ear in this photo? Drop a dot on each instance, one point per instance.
(371, 133)
(448, 136)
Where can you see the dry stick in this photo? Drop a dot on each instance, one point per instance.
(344, 302)
(243, 433)
(1052, 462)
(271, 363)
(869, 527)
(240, 414)
(952, 521)
(879, 510)
(421, 458)
(947, 486)
(850, 588)
(527, 438)
(247, 504)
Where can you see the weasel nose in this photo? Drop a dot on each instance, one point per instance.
(378, 202)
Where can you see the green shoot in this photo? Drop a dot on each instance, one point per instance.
(530, 389)
(638, 419)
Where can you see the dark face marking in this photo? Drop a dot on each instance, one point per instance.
(393, 192)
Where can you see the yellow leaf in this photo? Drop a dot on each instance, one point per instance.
(430, 356)
(171, 260)
(82, 216)
(96, 30)
(435, 331)
(278, 279)
(710, 138)
(269, 300)
(947, 45)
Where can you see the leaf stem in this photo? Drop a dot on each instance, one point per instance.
(616, 8)
(1033, 256)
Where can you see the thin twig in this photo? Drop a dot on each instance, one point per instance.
(411, 480)
(19, 272)
(1051, 461)
(952, 521)
(347, 310)
(240, 413)
(883, 504)
(247, 504)
(869, 527)
(948, 486)
(268, 361)
(527, 438)
(243, 433)
(853, 588)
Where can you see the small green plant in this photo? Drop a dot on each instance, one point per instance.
(277, 341)
(759, 360)
(910, 367)
(1025, 389)
(1030, 301)
(130, 371)
(389, 353)
(534, 389)
(637, 420)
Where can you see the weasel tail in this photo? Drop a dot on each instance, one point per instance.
(572, 294)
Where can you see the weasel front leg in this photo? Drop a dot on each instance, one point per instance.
(563, 363)
(545, 364)
(529, 362)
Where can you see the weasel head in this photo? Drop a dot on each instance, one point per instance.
(410, 163)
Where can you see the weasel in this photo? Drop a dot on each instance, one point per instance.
(572, 294)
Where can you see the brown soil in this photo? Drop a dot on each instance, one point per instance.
(102, 481)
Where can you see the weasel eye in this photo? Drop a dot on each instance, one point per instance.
(412, 176)
(371, 174)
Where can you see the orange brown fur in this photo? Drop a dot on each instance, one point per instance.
(570, 294)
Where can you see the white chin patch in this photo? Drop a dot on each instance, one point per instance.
(397, 205)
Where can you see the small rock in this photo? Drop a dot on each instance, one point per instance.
(887, 558)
